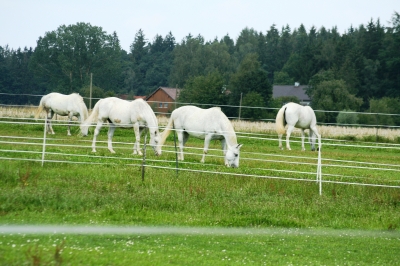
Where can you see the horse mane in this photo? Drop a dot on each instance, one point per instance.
(93, 116)
(145, 107)
(230, 135)
(166, 131)
(84, 110)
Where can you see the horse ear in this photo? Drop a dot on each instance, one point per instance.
(239, 146)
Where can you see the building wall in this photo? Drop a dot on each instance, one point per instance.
(161, 102)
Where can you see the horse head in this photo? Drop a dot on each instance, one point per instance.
(84, 130)
(232, 155)
(155, 141)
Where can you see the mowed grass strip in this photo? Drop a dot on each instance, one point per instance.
(201, 247)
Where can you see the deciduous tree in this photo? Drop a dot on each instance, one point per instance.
(66, 57)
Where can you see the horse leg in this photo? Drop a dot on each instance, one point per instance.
(280, 141)
(47, 126)
(314, 130)
(50, 117)
(69, 123)
(302, 140)
(224, 149)
(96, 132)
(182, 140)
(138, 132)
(207, 140)
(110, 134)
(288, 132)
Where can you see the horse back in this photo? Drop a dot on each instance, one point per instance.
(195, 119)
(124, 113)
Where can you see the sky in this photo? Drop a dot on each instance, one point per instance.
(22, 22)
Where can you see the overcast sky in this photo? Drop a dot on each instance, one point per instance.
(22, 22)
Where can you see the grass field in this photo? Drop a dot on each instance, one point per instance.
(266, 212)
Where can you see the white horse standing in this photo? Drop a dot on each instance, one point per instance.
(122, 113)
(64, 105)
(296, 115)
(207, 124)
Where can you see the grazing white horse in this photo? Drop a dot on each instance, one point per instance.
(122, 113)
(64, 105)
(296, 115)
(207, 124)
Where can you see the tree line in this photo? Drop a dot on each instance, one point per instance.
(358, 70)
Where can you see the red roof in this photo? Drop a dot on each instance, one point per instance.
(171, 92)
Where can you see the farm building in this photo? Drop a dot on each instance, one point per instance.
(163, 99)
(295, 90)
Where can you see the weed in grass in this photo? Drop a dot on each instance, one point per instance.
(37, 256)
(24, 177)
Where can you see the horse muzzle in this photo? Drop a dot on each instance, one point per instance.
(233, 165)
(156, 152)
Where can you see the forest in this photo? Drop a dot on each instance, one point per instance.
(358, 70)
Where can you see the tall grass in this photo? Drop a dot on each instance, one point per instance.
(356, 132)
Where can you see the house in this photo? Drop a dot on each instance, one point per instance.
(295, 90)
(163, 99)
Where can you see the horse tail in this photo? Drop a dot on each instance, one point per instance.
(280, 121)
(40, 109)
(88, 121)
(166, 131)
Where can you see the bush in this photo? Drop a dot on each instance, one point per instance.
(347, 117)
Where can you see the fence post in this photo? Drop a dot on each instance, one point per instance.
(44, 139)
(144, 153)
(176, 152)
(240, 104)
(319, 170)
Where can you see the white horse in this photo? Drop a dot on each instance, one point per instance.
(122, 113)
(64, 105)
(207, 124)
(296, 115)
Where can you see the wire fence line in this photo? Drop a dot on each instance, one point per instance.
(263, 158)
(246, 156)
(250, 157)
(268, 130)
(236, 107)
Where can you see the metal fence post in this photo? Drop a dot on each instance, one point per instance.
(144, 153)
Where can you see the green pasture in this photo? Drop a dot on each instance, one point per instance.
(355, 221)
